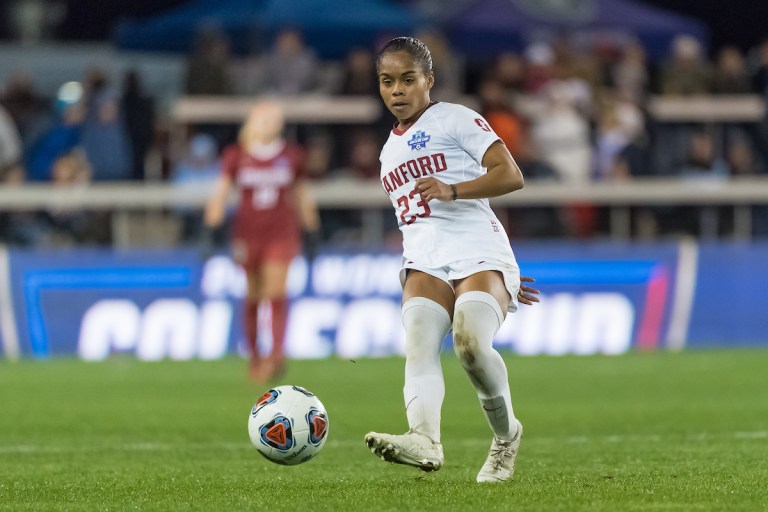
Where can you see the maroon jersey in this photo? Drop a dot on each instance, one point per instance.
(266, 209)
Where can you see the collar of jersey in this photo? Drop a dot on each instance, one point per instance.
(266, 151)
(401, 132)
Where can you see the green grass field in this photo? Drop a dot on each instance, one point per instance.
(660, 431)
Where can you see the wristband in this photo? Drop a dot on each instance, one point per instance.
(453, 192)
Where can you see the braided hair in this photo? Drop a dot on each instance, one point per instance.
(413, 47)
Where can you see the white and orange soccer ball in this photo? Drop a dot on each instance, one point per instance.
(288, 425)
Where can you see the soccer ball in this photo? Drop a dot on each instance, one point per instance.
(288, 425)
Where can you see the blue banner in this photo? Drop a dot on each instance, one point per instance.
(596, 298)
(729, 300)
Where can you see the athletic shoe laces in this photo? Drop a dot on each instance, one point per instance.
(502, 450)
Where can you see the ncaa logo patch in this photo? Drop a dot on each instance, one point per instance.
(419, 140)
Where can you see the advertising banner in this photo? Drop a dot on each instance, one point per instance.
(597, 298)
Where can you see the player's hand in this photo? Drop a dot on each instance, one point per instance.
(432, 188)
(526, 294)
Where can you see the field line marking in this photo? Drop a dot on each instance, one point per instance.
(7, 317)
(245, 445)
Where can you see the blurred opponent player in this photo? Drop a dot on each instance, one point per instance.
(274, 208)
(440, 164)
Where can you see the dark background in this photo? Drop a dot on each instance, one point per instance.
(740, 22)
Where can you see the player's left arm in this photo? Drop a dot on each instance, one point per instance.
(503, 177)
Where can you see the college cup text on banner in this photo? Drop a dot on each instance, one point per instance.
(596, 298)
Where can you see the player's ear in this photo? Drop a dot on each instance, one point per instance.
(430, 80)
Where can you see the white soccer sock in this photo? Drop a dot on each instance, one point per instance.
(426, 323)
(477, 318)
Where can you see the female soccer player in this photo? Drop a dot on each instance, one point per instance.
(441, 163)
(274, 207)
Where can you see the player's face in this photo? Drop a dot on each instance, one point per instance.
(403, 86)
(265, 123)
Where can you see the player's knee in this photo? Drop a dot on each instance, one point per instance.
(417, 331)
(465, 343)
(466, 348)
(273, 293)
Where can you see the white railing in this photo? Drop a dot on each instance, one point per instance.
(305, 109)
(325, 109)
(736, 108)
(369, 196)
(365, 194)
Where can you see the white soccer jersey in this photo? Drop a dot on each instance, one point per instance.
(448, 142)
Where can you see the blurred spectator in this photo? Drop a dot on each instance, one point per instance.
(702, 161)
(10, 143)
(534, 221)
(208, 68)
(198, 168)
(29, 110)
(69, 226)
(19, 228)
(359, 150)
(742, 160)
(619, 122)
(575, 80)
(292, 67)
(583, 70)
(562, 136)
(319, 147)
(630, 74)
(103, 134)
(139, 113)
(635, 159)
(730, 75)
(359, 74)
(499, 113)
(701, 164)
(509, 70)
(687, 72)
(348, 145)
(541, 60)
(364, 155)
(448, 67)
(62, 135)
(760, 68)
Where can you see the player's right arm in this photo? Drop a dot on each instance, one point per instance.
(502, 177)
(474, 136)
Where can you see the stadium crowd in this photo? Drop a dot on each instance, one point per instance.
(567, 113)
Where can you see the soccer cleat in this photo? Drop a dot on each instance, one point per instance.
(412, 448)
(500, 464)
